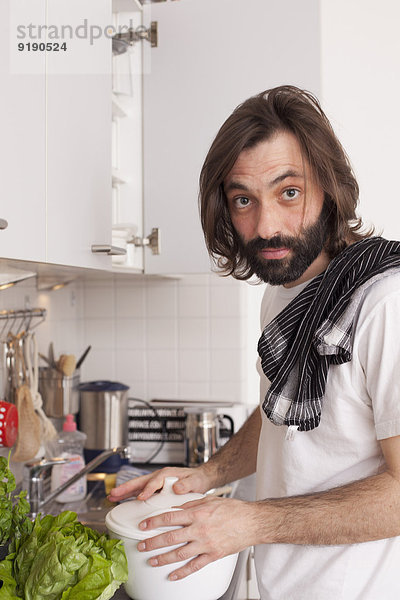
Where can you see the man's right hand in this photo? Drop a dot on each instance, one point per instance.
(189, 480)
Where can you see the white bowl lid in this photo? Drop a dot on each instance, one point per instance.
(124, 518)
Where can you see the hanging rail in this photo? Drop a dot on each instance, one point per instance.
(20, 318)
(26, 312)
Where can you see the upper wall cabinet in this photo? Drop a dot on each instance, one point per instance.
(211, 55)
(55, 64)
(22, 139)
(79, 133)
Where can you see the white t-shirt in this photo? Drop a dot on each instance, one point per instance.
(361, 406)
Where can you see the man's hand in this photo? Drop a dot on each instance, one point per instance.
(190, 480)
(209, 529)
(236, 459)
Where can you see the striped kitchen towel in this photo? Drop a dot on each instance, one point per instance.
(315, 330)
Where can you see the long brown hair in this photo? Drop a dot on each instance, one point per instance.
(285, 108)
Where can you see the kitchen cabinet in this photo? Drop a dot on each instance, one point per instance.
(210, 57)
(79, 134)
(127, 138)
(22, 139)
(56, 136)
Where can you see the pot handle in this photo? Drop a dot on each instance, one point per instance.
(231, 429)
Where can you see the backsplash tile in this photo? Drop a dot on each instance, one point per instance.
(161, 334)
(194, 333)
(194, 301)
(130, 300)
(161, 299)
(130, 333)
(194, 366)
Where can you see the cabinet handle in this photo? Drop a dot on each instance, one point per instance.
(108, 249)
(3, 224)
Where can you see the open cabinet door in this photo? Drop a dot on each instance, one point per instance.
(210, 57)
(23, 132)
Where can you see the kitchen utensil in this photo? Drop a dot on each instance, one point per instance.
(28, 441)
(51, 355)
(83, 357)
(48, 431)
(146, 582)
(8, 424)
(202, 434)
(66, 364)
(46, 360)
(59, 393)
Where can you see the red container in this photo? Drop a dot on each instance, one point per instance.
(8, 424)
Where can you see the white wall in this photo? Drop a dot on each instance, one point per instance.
(360, 74)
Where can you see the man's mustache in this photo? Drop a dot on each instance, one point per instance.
(275, 242)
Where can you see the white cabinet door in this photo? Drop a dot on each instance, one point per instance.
(210, 57)
(79, 132)
(22, 138)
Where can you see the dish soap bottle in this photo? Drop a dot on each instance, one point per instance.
(69, 445)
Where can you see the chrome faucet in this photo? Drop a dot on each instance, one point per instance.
(36, 471)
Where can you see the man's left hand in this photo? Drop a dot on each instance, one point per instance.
(208, 529)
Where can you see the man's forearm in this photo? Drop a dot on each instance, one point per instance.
(362, 511)
(238, 457)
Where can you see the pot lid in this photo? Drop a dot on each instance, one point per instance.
(102, 386)
(125, 518)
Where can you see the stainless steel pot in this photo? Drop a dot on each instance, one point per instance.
(103, 414)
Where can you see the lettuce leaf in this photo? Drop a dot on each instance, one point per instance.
(13, 510)
(9, 585)
(62, 559)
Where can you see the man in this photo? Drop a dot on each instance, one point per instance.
(278, 200)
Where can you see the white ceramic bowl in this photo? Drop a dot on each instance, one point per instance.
(149, 583)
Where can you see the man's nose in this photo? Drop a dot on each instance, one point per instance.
(268, 222)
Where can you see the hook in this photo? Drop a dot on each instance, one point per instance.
(40, 313)
(13, 316)
(19, 330)
(28, 320)
(4, 312)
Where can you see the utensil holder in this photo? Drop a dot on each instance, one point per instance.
(59, 393)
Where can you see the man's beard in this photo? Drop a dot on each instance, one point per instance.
(305, 249)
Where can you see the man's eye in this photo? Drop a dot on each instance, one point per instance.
(290, 194)
(242, 202)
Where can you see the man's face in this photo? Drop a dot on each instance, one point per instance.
(282, 233)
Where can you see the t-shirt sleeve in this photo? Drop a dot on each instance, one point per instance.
(379, 354)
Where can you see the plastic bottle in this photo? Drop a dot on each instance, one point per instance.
(69, 445)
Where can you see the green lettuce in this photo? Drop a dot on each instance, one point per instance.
(13, 510)
(62, 559)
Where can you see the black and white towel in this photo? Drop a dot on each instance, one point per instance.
(316, 330)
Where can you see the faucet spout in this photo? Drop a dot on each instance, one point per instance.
(36, 468)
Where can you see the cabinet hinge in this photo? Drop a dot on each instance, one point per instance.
(153, 241)
(121, 41)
